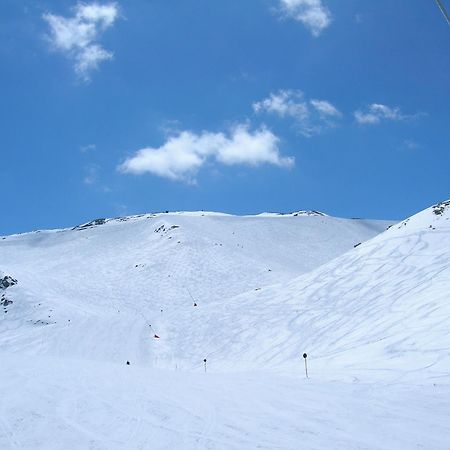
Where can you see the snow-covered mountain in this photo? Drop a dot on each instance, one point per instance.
(371, 310)
(125, 271)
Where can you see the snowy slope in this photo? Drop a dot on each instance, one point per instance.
(374, 322)
(74, 285)
(380, 311)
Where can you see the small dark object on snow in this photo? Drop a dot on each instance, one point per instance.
(195, 304)
(304, 355)
(128, 363)
(356, 245)
(156, 336)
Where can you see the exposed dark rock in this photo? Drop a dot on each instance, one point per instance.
(164, 230)
(159, 229)
(439, 208)
(5, 301)
(7, 281)
(93, 223)
(307, 213)
(40, 322)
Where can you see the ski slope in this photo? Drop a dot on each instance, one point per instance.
(379, 312)
(75, 286)
(373, 320)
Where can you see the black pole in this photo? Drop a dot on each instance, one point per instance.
(306, 365)
(205, 364)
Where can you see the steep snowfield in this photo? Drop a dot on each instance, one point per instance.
(374, 322)
(380, 311)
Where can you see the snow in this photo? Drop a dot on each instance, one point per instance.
(373, 320)
(88, 405)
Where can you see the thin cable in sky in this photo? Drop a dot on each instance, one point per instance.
(444, 11)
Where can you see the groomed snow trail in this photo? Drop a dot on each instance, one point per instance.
(89, 405)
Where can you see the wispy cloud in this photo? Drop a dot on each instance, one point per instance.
(409, 144)
(77, 36)
(310, 116)
(88, 148)
(311, 13)
(376, 112)
(326, 109)
(182, 155)
(91, 175)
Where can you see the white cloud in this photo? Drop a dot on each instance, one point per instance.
(311, 116)
(312, 13)
(284, 103)
(76, 36)
(376, 112)
(245, 147)
(182, 155)
(325, 108)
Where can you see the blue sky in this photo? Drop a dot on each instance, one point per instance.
(115, 108)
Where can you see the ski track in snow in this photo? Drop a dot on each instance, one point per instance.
(98, 406)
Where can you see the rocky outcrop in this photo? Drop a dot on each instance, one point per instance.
(440, 207)
(6, 282)
(93, 223)
(4, 301)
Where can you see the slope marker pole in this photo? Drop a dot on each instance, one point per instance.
(153, 331)
(306, 364)
(190, 295)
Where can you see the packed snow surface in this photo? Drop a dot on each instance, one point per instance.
(371, 310)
